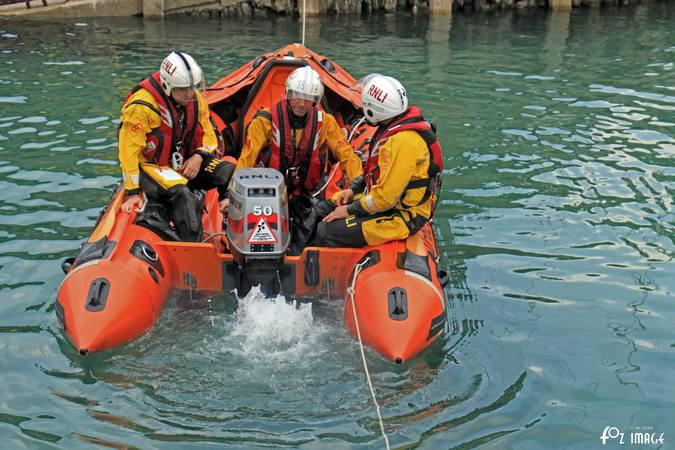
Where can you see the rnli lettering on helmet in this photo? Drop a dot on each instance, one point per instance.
(377, 93)
(168, 67)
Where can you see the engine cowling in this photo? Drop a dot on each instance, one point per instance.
(258, 214)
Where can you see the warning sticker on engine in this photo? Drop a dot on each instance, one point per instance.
(262, 234)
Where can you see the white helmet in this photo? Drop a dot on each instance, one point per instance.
(179, 70)
(383, 98)
(305, 83)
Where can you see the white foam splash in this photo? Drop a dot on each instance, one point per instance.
(644, 344)
(536, 369)
(273, 329)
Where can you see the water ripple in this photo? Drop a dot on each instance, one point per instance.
(555, 225)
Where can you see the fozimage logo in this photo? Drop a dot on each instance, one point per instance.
(638, 435)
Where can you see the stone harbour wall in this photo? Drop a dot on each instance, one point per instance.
(266, 8)
(263, 8)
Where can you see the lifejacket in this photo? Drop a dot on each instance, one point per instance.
(219, 127)
(297, 164)
(170, 136)
(410, 120)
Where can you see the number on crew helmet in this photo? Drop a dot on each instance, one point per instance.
(304, 83)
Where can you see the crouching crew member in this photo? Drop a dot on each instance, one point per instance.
(292, 137)
(402, 174)
(167, 149)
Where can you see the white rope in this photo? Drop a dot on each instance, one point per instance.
(325, 185)
(350, 289)
(304, 10)
(334, 170)
(358, 124)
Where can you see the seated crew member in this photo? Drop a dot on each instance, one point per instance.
(401, 175)
(167, 147)
(284, 137)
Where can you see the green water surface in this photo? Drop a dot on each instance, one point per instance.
(556, 225)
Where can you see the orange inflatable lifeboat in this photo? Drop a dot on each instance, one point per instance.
(115, 289)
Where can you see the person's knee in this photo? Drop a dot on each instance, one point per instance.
(223, 172)
(155, 217)
(151, 188)
(324, 208)
(179, 193)
(321, 233)
(221, 177)
(186, 213)
(220, 170)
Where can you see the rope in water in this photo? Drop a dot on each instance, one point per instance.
(350, 290)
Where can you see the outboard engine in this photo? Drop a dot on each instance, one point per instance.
(258, 229)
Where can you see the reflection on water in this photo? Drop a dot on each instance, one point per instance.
(556, 227)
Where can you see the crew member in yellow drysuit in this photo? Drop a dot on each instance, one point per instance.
(292, 137)
(166, 149)
(402, 174)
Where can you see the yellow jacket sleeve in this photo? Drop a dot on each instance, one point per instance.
(137, 121)
(402, 158)
(258, 136)
(210, 142)
(342, 150)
